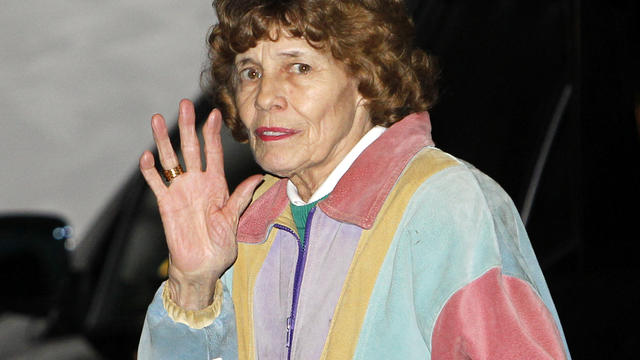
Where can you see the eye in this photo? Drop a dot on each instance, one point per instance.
(250, 74)
(300, 68)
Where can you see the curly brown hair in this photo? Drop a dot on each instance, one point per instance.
(373, 38)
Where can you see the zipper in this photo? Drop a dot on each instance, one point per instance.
(297, 280)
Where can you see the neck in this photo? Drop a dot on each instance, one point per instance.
(308, 183)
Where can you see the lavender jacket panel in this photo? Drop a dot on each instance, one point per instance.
(329, 254)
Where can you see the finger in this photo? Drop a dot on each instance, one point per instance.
(168, 157)
(150, 174)
(213, 143)
(241, 197)
(188, 137)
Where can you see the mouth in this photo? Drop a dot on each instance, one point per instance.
(274, 133)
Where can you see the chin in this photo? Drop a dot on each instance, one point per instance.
(278, 167)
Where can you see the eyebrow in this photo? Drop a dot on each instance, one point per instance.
(291, 53)
(243, 61)
(287, 54)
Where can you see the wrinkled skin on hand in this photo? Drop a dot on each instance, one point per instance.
(199, 216)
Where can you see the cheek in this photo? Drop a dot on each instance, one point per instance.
(315, 103)
(245, 108)
(336, 116)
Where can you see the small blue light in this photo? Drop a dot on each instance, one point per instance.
(68, 232)
(58, 233)
(62, 233)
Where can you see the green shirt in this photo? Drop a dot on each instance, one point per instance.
(300, 215)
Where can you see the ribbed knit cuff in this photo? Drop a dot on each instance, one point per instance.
(196, 319)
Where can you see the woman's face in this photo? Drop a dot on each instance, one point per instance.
(302, 111)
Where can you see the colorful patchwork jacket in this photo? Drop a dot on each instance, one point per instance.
(414, 255)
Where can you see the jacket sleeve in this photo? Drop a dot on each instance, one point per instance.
(493, 301)
(173, 333)
(496, 317)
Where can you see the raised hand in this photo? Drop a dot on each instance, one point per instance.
(200, 219)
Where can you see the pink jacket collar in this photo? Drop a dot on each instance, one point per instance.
(354, 199)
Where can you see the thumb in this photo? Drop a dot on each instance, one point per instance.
(241, 197)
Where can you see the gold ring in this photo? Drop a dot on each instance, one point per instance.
(171, 174)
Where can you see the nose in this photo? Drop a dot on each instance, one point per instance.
(271, 96)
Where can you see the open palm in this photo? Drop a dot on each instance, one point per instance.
(199, 216)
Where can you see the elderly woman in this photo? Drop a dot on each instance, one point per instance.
(365, 241)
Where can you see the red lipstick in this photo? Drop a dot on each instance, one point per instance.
(274, 133)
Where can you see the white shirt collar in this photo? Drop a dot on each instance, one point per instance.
(332, 180)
